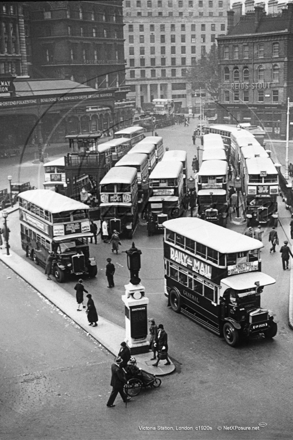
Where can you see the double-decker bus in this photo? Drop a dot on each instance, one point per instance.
(181, 156)
(52, 222)
(163, 107)
(166, 192)
(212, 194)
(157, 141)
(140, 163)
(119, 200)
(116, 148)
(149, 150)
(261, 185)
(55, 176)
(213, 276)
(135, 134)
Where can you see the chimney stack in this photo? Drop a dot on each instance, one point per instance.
(273, 7)
(258, 13)
(230, 20)
(237, 8)
(249, 6)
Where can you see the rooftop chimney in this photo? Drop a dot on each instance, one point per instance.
(237, 8)
(258, 13)
(230, 20)
(249, 6)
(273, 7)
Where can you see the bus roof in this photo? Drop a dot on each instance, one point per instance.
(56, 162)
(152, 139)
(213, 168)
(51, 201)
(84, 136)
(180, 155)
(166, 170)
(130, 130)
(119, 175)
(112, 143)
(251, 151)
(132, 159)
(214, 154)
(256, 165)
(142, 148)
(216, 237)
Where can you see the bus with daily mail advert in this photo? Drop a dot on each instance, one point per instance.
(134, 133)
(213, 140)
(213, 276)
(212, 191)
(119, 200)
(55, 176)
(158, 143)
(140, 163)
(149, 150)
(166, 193)
(116, 148)
(51, 222)
(181, 156)
(261, 186)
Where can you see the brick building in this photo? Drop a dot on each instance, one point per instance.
(256, 67)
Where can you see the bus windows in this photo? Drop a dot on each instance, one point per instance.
(61, 217)
(190, 245)
(79, 215)
(123, 187)
(252, 255)
(180, 240)
(231, 259)
(108, 188)
(209, 291)
(198, 286)
(170, 236)
(201, 250)
(212, 255)
(183, 278)
(174, 272)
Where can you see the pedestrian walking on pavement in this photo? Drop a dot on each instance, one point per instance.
(1, 241)
(291, 226)
(91, 311)
(249, 232)
(162, 345)
(124, 354)
(153, 330)
(115, 241)
(118, 380)
(110, 270)
(6, 233)
(193, 139)
(94, 230)
(274, 239)
(80, 289)
(258, 232)
(285, 255)
(49, 264)
(192, 202)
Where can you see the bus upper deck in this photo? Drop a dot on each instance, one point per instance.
(55, 175)
(214, 154)
(213, 140)
(149, 150)
(135, 134)
(117, 148)
(159, 146)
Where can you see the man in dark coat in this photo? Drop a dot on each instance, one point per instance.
(162, 345)
(94, 230)
(124, 354)
(273, 238)
(285, 254)
(118, 380)
(153, 337)
(92, 315)
(110, 270)
(49, 263)
(291, 226)
(79, 287)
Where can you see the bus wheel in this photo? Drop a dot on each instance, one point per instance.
(59, 274)
(231, 335)
(35, 259)
(175, 301)
(93, 271)
(272, 331)
(174, 213)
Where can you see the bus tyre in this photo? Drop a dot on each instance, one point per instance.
(59, 274)
(231, 335)
(272, 331)
(35, 259)
(93, 270)
(175, 301)
(175, 213)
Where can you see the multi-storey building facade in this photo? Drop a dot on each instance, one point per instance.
(164, 38)
(256, 68)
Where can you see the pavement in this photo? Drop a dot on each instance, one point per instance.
(108, 334)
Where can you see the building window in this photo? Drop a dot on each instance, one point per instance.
(153, 73)
(149, 3)
(246, 96)
(159, 3)
(193, 38)
(183, 39)
(245, 74)
(220, 4)
(105, 33)
(183, 61)
(131, 50)
(226, 74)
(163, 73)
(193, 49)
(142, 62)
(153, 61)
(142, 73)
(152, 50)
(172, 27)
(173, 38)
(138, 4)
(211, 14)
(183, 28)
(183, 50)
(213, 38)
(163, 40)
(131, 39)
(130, 28)
(69, 30)
(163, 50)
(260, 73)
(203, 27)
(275, 95)
(94, 32)
(222, 26)
(236, 96)
(132, 73)
(141, 28)
(190, 4)
(80, 13)
(211, 4)
(162, 28)
(170, 3)
(173, 50)
(235, 52)
(276, 73)
(183, 72)
(260, 50)
(276, 49)
(226, 96)
(152, 38)
(202, 38)
(82, 32)
(226, 52)
(152, 28)
(180, 3)
(180, 14)
(173, 61)
(213, 27)
(245, 51)
(193, 60)
(142, 50)
(173, 72)
(203, 51)
(141, 38)
(200, 3)
(193, 28)
(131, 62)
(163, 61)
(236, 74)
(150, 14)
(260, 96)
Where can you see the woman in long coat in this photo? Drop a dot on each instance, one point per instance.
(92, 315)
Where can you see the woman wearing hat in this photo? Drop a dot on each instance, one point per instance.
(92, 315)
(153, 337)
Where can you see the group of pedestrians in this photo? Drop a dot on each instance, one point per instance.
(91, 310)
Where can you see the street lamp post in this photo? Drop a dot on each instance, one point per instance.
(6, 232)
(10, 190)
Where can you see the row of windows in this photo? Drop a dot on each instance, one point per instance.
(183, 28)
(243, 51)
(155, 73)
(172, 3)
(152, 37)
(244, 74)
(28, 234)
(171, 14)
(245, 96)
(162, 62)
(11, 9)
(163, 51)
(60, 217)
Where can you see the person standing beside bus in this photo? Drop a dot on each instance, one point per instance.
(79, 287)
(273, 238)
(49, 264)
(94, 231)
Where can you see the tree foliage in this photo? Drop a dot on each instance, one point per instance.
(205, 73)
